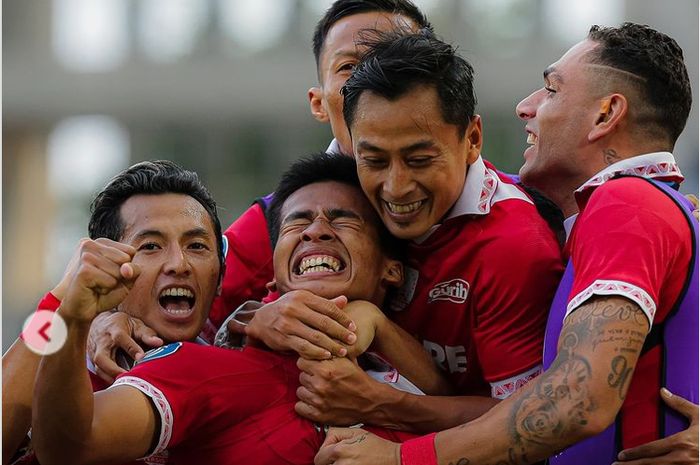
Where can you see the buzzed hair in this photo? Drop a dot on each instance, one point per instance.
(656, 60)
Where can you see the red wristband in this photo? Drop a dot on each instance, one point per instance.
(49, 302)
(419, 451)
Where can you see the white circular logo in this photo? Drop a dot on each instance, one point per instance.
(44, 332)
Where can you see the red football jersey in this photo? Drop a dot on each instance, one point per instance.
(227, 406)
(631, 240)
(478, 288)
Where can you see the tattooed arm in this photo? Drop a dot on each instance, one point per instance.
(577, 397)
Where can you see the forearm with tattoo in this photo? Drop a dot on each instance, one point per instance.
(576, 397)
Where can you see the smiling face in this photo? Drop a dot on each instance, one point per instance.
(329, 244)
(336, 62)
(411, 163)
(559, 117)
(177, 255)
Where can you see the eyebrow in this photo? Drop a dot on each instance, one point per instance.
(331, 213)
(420, 145)
(194, 232)
(550, 73)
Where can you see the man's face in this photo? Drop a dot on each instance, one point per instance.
(411, 163)
(558, 119)
(329, 245)
(336, 62)
(177, 255)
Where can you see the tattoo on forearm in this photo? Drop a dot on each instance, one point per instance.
(619, 376)
(610, 156)
(559, 401)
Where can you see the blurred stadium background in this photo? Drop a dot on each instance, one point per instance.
(219, 86)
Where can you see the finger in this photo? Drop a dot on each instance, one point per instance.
(307, 397)
(308, 411)
(333, 311)
(320, 339)
(648, 450)
(235, 327)
(693, 199)
(109, 380)
(145, 334)
(126, 343)
(305, 379)
(681, 405)
(106, 368)
(308, 350)
(327, 454)
(115, 245)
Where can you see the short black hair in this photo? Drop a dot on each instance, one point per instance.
(148, 178)
(343, 8)
(658, 60)
(324, 167)
(398, 61)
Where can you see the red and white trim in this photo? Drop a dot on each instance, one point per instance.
(504, 388)
(609, 287)
(658, 165)
(162, 405)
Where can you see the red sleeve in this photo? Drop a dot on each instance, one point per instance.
(631, 240)
(248, 264)
(48, 302)
(520, 272)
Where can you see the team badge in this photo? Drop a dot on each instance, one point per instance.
(403, 295)
(455, 291)
(160, 352)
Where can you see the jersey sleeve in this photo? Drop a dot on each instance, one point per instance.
(627, 240)
(520, 272)
(161, 377)
(248, 264)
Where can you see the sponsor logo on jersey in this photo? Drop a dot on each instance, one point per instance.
(404, 295)
(449, 358)
(455, 291)
(160, 352)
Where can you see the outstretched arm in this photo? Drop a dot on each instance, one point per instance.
(69, 424)
(577, 397)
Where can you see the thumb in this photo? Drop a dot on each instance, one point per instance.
(340, 301)
(681, 405)
(130, 271)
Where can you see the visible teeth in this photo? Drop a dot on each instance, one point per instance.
(531, 138)
(405, 208)
(177, 292)
(319, 263)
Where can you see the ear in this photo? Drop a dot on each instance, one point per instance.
(473, 136)
(393, 273)
(612, 112)
(220, 285)
(316, 105)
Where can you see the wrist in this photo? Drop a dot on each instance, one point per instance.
(419, 451)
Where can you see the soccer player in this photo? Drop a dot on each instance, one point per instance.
(174, 317)
(206, 404)
(625, 319)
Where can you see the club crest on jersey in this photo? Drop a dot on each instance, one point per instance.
(160, 352)
(455, 291)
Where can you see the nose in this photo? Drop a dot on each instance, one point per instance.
(398, 182)
(176, 262)
(527, 108)
(319, 230)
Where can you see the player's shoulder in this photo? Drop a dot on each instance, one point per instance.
(632, 190)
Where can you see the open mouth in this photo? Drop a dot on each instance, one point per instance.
(405, 208)
(318, 264)
(177, 301)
